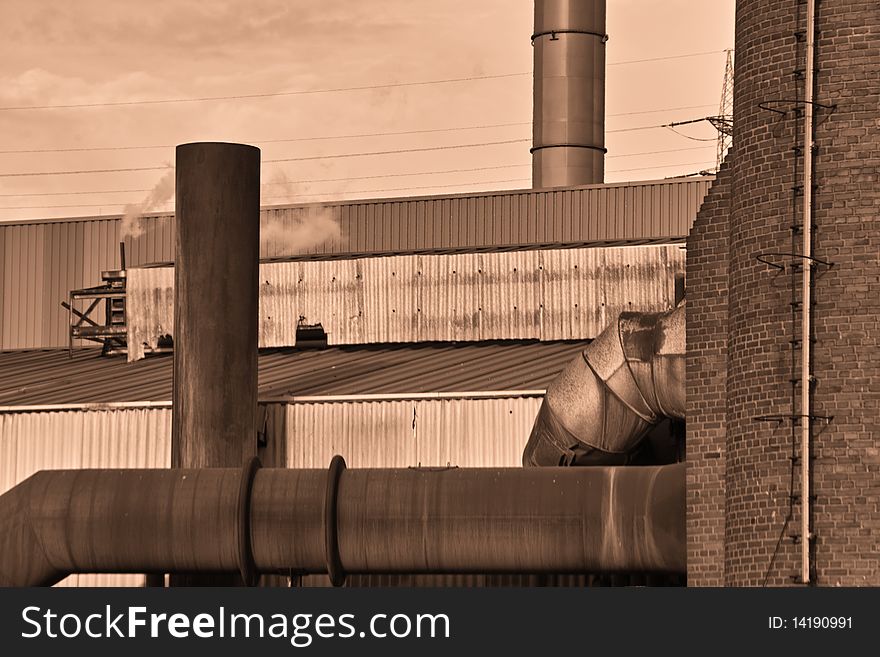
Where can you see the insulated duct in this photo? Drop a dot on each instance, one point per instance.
(600, 407)
(338, 521)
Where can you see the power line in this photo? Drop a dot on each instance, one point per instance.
(347, 178)
(353, 191)
(394, 175)
(399, 150)
(668, 150)
(303, 92)
(371, 191)
(401, 189)
(291, 159)
(664, 166)
(331, 137)
(273, 141)
(96, 191)
(68, 173)
(657, 59)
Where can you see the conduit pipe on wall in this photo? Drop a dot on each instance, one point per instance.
(605, 401)
(417, 520)
(807, 294)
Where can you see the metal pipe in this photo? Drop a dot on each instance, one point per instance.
(568, 145)
(604, 402)
(417, 520)
(806, 294)
(214, 414)
(215, 305)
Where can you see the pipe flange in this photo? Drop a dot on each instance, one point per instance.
(553, 33)
(331, 529)
(601, 149)
(246, 566)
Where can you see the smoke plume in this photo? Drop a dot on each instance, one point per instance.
(293, 235)
(298, 235)
(133, 220)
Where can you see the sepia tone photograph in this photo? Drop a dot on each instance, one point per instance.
(465, 293)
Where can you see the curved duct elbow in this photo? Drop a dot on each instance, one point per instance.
(606, 400)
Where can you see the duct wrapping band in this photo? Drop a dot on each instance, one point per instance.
(331, 529)
(549, 432)
(246, 566)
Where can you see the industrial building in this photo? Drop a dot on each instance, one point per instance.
(429, 333)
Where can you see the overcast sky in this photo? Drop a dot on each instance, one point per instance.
(55, 52)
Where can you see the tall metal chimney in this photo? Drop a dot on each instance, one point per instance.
(568, 142)
(216, 285)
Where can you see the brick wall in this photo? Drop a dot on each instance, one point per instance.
(758, 468)
(846, 478)
(753, 473)
(707, 273)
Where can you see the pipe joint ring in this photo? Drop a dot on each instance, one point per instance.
(331, 528)
(553, 33)
(601, 149)
(246, 565)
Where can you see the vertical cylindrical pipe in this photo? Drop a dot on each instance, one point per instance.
(215, 312)
(215, 305)
(807, 294)
(568, 144)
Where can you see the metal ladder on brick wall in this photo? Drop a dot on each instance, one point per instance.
(793, 262)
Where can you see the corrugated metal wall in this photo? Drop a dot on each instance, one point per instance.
(398, 434)
(462, 432)
(130, 438)
(41, 262)
(623, 211)
(550, 294)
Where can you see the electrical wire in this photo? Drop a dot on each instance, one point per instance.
(298, 196)
(664, 166)
(304, 92)
(271, 141)
(347, 178)
(399, 150)
(292, 159)
(69, 173)
(681, 134)
(657, 59)
(330, 137)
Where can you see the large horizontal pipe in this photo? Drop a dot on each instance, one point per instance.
(417, 520)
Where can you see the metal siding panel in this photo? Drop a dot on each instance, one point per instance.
(473, 433)
(398, 434)
(4, 265)
(56, 256)
(35, 284)
(611, 212)
(466, 296)
(366, 434)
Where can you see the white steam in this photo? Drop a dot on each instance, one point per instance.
(133, 221)
(292, 236)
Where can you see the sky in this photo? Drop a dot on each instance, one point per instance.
(101, 52)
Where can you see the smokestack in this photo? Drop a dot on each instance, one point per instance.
(568, 142)
(215, 310)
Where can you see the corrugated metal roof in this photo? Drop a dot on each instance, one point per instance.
(49, 377)
(40, 262)
(552, 294)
